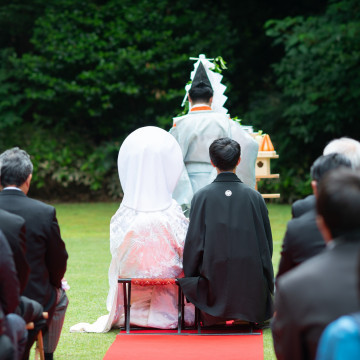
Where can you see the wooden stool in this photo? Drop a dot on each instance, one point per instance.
(39, 347)
(126, 283)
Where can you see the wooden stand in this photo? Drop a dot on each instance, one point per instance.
(263, 170)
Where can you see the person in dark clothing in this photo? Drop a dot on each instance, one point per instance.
(345, 146)
(323, 288)
(13, 332)
(302, 238)
(228, 247)
(302, 206)
(13, 227)
(45, 249)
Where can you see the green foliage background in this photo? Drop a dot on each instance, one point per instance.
(76, 77)
(316, 94)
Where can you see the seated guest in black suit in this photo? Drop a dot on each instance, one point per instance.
(228, 246)
(302, 238)
(45, 250)
(324, 287)
(13, 227)
(341, 338)
(345, 146)
(12, 326)
(300, 207)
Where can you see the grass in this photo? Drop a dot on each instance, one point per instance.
(85, 230)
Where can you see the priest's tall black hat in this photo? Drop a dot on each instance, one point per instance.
(201, 79)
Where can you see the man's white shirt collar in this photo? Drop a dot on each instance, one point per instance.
(12, 188)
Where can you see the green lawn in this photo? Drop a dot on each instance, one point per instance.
(85, 229)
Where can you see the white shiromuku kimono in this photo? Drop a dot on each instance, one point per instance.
(195, 132)
(147, 233)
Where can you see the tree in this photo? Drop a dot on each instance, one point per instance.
(98, 70)
(77, 76)
(110, 69)
(318, 84)
(319, 74)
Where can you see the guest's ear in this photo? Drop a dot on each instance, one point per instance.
(314, 187)
(238, 161)
(212, 164)
(325, 231)
(28, 180)
(26, 185)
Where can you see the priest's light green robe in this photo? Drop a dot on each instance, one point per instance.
(195, 132)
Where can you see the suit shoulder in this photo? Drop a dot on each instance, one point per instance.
(10, 217)
(305, 272)
(40, 205)
(301, 206)
(298, 222)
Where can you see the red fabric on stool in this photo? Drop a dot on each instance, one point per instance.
(148, 282)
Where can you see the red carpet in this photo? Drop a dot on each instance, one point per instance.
(186, 347)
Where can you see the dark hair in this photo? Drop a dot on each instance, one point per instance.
(15, 167)
(225, 153)
(325, 163)
(201, 93)
(338, 201)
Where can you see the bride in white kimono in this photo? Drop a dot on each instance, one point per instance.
(147, 233)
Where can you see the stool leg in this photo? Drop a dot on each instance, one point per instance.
(180, 314)
(128, 308)
(125, 302)
(197, 320)
(182, 310)
(39, 349)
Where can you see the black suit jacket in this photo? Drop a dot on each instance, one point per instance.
(314, 294)
(9, 283)
(46, 253)
(227, 253)
(302, 241)
(302, 206)
(13, 227)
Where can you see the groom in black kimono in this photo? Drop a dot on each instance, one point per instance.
(228, 247)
